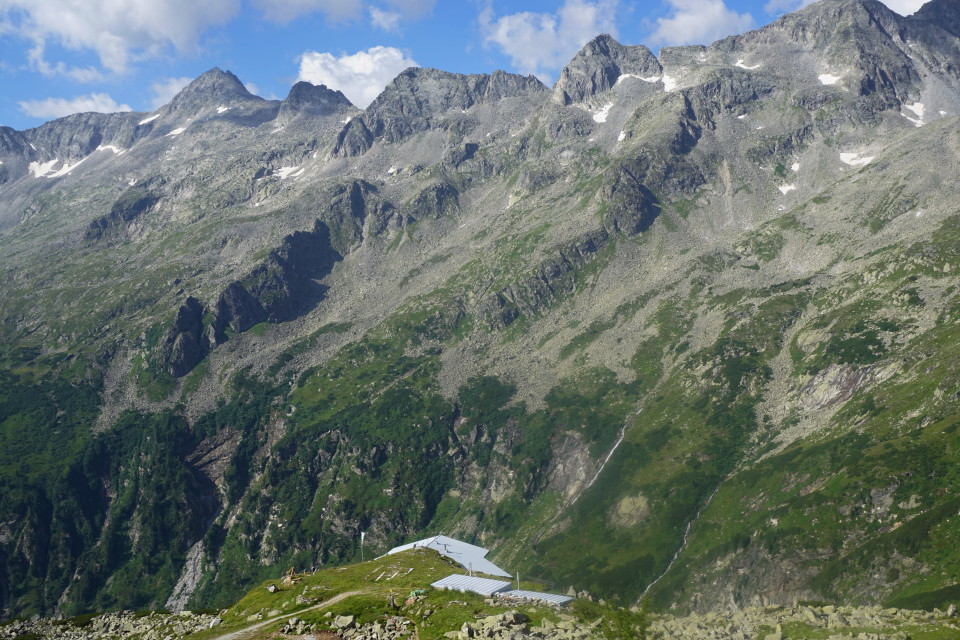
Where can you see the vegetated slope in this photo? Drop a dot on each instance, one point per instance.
(685, 321)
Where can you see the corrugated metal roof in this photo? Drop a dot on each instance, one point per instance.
(552, 598)
(483, 586)
(468, 555)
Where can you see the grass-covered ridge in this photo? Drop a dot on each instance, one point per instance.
(365, 591)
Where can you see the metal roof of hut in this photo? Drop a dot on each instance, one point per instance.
(469, 556)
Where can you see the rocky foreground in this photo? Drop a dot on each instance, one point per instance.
(777, 623)
(122, 624)
(767, 623)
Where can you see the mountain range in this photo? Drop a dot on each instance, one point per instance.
(683, 326)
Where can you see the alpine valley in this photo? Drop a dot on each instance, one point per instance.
(683, 326)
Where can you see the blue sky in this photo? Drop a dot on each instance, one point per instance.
(65, 56)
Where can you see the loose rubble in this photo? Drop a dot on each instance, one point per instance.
(510, 625)
(766, 623)
(113, 626)
(762, 623)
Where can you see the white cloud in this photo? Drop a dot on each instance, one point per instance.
(776, 7)
(699, 22)
(59, 107)
(905, 7)
(162, 91)
(389, 19)
(412, 8)
(284, 11)
(118, 31)
(39, 63)
(360, 76)
(386, 20)
(541, 42)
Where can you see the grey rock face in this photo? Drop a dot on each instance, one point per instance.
(209, 89)
(633, 207)
(134, 202)
(433, 202)
(598, 67)
(185, 345)
(347, 208)
(723, 92)
(872, 51)
(552, 279)
(417, 97)
(943, 14)
(306, 98)
(282, 287)
(14, 148)
(77, 136)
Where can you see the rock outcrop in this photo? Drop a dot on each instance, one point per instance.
(133, 203)
(186, 344)
(210, 89)
(317, 100)
(418, 97)
(553, 279)
(599, 65)
(282, 287)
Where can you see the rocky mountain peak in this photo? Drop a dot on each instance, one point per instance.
(313, 99)
(943, 13)
(210, 88)
(599, 65)
(430, 91)
(841, 20)
(418, 96)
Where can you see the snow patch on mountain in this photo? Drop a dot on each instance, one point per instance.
(917, 108)
(828, 78)
(46, 169)
(42, 169)
(149, 119)
(601, 116)
(289, 172)
(626, 76)
(854, 159)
